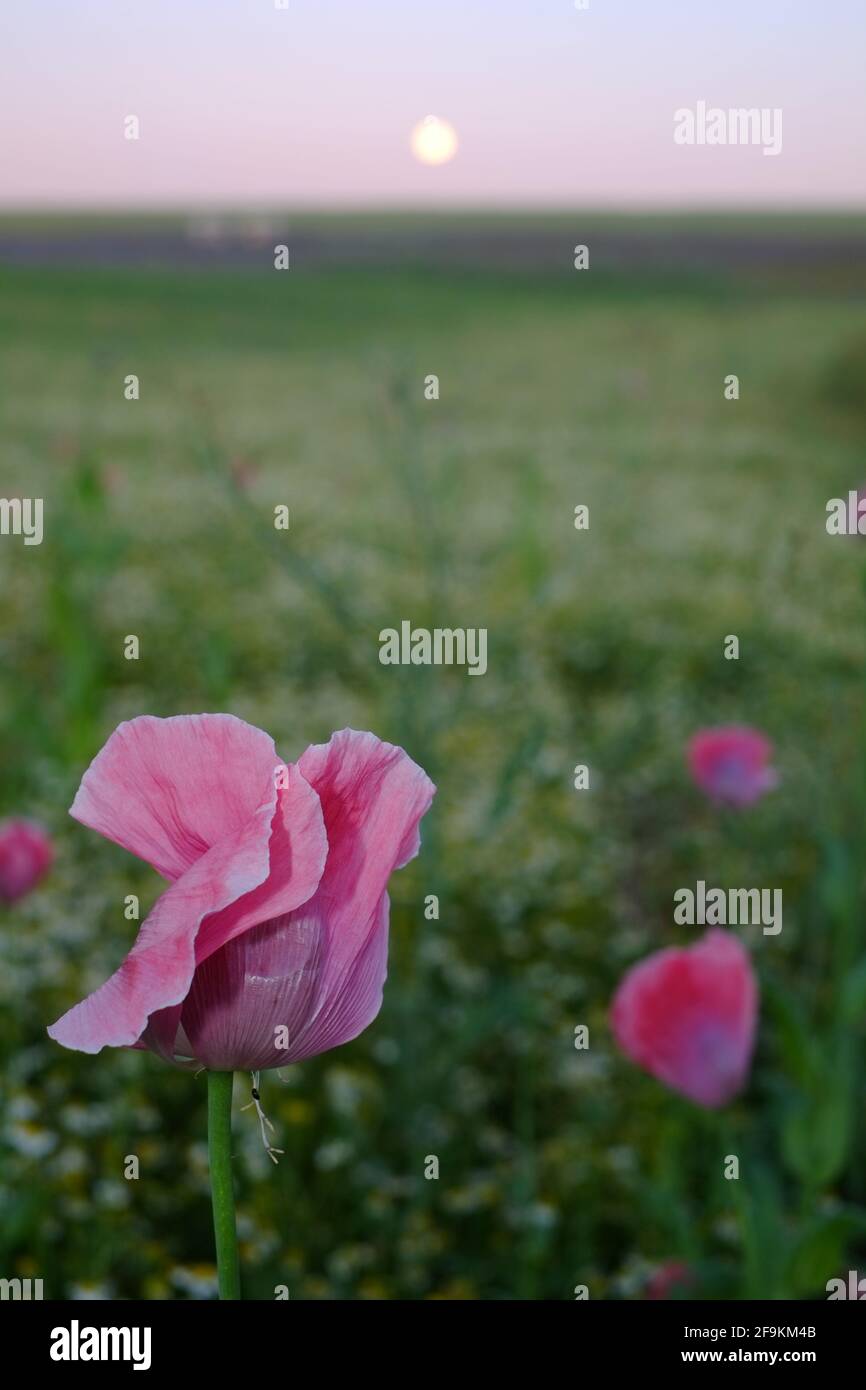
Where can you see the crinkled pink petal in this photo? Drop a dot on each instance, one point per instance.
(162, 1033)
(261, 866)
(319, 972)
(250, 1003)
(373, 797)
(298, 850)
(251, 996)
(689, 1017)
(168, 790)
(158, 970)
(346, 1011)
(298, 853)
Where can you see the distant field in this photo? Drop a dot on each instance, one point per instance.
(707, 518)
(824, 250)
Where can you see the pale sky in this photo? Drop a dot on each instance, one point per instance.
(241, 103)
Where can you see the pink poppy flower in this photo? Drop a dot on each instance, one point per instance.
(672, 1275)
(688, 1017)
(275, 926)
(25, 855)
(731, 764)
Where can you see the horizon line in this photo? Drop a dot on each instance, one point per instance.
(264, 208)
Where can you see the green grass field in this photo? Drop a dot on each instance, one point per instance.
(557, 1167)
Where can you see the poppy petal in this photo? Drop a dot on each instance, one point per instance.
(274, 860)
(168, 790)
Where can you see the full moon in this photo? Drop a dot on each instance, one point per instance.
(434, 141)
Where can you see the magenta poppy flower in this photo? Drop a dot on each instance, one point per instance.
(25, 855)
(270, 944)
(688, 1017)
(732, 764)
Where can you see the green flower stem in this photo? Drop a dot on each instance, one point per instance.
(219, 1144)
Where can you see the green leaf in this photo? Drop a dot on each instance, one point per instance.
(819, 1254)
(853, 999)
(817, 1133)
(793, 1036)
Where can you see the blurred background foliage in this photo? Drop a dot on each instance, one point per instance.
(557, 1167)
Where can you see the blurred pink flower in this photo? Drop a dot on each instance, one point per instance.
(673, 1274)
(732, 764)
(274, 930)
(688, 1017)
(25, 855)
